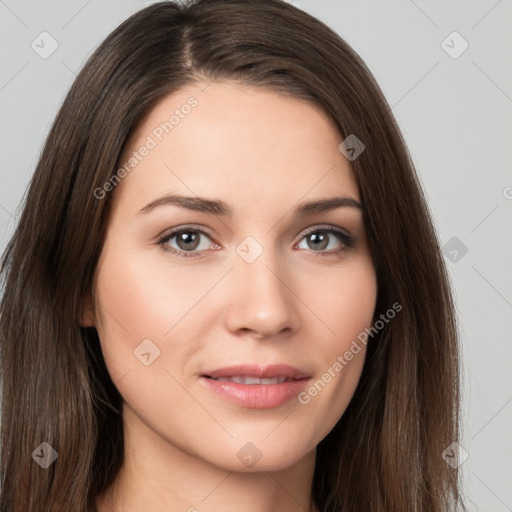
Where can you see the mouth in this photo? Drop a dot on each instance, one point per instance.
(256, 387)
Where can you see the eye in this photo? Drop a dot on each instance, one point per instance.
(191, 241)
(327, 240)
(186, 240)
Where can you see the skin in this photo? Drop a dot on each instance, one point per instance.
(262, 153)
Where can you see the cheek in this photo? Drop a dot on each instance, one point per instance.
(345, 301)
(342, 298)
(140, 300)
(147, 300)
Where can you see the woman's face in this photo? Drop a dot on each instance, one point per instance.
(212, 261)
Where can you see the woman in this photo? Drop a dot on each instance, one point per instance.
(225, 291)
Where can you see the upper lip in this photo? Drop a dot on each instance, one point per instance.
(263, 372)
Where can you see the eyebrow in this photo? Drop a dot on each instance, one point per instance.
(217, 207)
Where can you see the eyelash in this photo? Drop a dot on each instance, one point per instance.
(347, 240)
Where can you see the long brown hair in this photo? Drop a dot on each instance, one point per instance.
(385, 452)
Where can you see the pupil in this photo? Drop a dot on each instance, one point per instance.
(319, 237)
(188, 240)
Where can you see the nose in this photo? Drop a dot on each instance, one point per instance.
(260, 299)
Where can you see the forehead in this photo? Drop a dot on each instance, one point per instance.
(246, 145)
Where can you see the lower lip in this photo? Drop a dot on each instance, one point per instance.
(256, 396)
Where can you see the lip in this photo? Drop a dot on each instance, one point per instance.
(256, 396)
(274, 370)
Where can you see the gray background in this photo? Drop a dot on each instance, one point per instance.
(455, 114)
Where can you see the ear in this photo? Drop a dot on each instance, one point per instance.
(87, 316)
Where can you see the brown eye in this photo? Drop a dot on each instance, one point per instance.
(332, 239)
(318, 240)
(187, 240)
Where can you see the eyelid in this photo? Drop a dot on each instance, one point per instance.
(191, 227)
(326, 227)
(209, 232)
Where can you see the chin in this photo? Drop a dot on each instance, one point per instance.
(261, 454)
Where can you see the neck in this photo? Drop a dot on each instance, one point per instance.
(159, 476)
